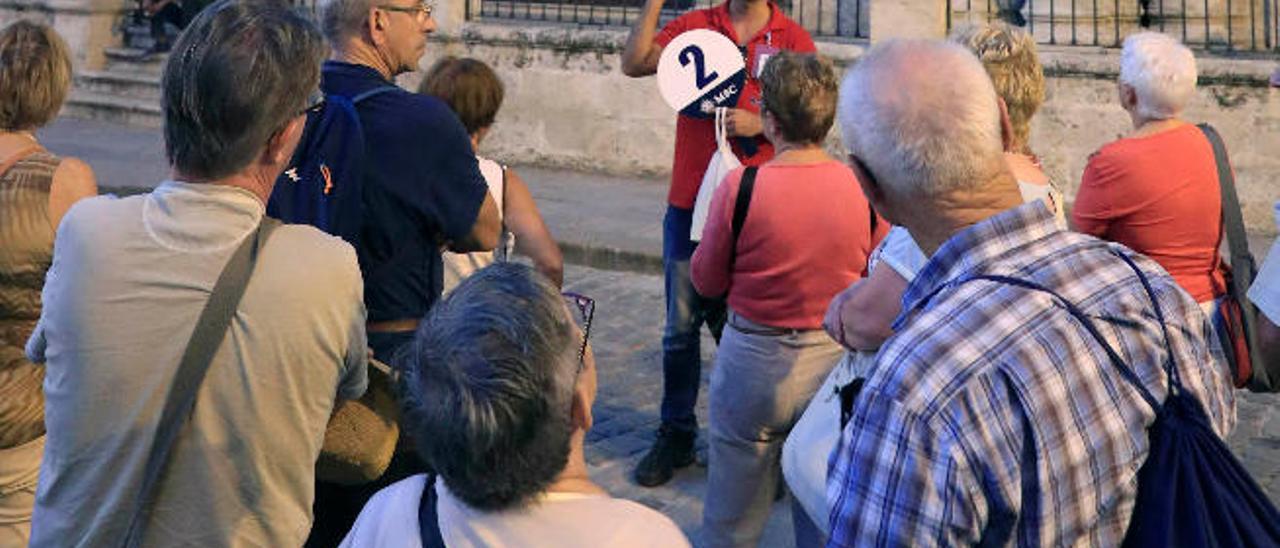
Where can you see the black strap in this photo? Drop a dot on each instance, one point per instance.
(746, 187)
(210, 330)
(428, 517)
(1171, 369)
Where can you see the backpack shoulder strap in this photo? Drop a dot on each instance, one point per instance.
(210, 330)
(1171, 369)
(428, 516)
(359, 97)
(1123, 368)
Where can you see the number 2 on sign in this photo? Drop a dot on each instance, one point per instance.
(693, 54)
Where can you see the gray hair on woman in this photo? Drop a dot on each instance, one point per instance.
(1162, 73)
(489, 386)
(240, 71)
(799, 90)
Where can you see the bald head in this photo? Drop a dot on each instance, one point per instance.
(923, 116)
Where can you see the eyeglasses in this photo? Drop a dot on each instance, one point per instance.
(315, 103)
(586, 307)
(423, 9)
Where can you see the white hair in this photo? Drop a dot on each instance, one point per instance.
(923, 116)
(1161, 71)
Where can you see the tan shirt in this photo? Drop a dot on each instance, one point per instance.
(129, 278)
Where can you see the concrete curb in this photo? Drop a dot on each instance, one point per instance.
(610, 258)
(594, 256)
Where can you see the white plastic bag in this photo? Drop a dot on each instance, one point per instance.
(816, 434)
(722, 162)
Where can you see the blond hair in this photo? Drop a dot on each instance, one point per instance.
(1009, 56)
(35, 75)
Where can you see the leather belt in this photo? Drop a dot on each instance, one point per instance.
(393, 326)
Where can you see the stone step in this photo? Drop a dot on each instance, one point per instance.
(121, 84)
(113, 108)
(122, 60)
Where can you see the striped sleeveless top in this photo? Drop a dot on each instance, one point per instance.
(26, 251)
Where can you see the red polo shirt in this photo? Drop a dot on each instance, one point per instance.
(696, 137)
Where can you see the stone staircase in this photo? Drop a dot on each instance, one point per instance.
(127, 89)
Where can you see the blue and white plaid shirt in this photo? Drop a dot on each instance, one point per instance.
(993, 417)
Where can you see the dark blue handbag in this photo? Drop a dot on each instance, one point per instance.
(1192, 491)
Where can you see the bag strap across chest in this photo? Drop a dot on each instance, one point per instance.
(210, 330)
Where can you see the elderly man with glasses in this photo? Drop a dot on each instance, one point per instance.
(500, 384)
(421, 190)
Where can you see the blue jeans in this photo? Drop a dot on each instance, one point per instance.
(686, 313)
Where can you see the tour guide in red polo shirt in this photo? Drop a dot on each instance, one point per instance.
(760, 29)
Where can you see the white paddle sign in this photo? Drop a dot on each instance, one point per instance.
(699, 71)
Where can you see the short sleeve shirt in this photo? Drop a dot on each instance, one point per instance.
(1158, 195)
(900, 252)
(1265, 291)
(422, 187)
(696, 137)
(129, 279)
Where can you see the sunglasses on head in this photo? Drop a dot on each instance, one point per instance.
(586, 307)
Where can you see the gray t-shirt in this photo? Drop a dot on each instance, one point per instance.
(129, 279)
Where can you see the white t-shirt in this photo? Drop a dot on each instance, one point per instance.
(900, 252)
(457, 266)
(1265, 291)
(560, 520)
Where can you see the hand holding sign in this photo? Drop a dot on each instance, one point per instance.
(699, 71)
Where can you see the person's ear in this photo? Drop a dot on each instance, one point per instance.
(282, 143)
(871, 188)
(769, 123)
(376, 26)
(580, 410)
(1006, 126)
(1128, 96)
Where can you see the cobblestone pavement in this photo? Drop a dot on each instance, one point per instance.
(626, 339)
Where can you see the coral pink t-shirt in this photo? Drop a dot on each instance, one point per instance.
(1159, 196)
(806, 237)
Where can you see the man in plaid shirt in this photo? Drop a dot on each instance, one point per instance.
(992, 416)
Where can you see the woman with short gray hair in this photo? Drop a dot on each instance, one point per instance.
(1156, 189)
(806, 234)
(499, 388)
(36, 188)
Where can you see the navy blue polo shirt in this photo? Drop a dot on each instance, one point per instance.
(422, 187)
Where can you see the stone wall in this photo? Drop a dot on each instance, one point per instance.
(568, 105)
